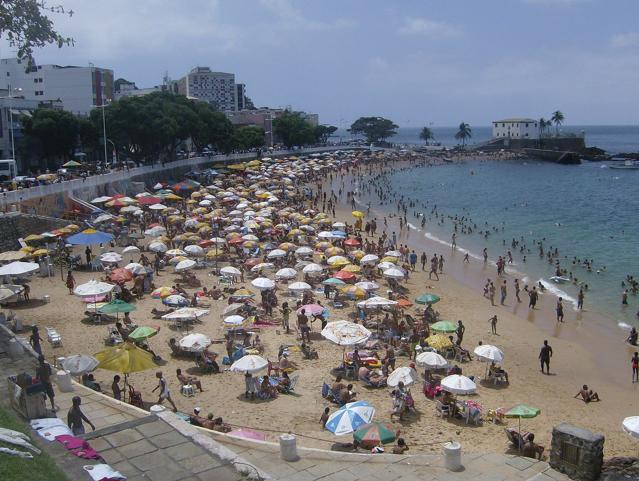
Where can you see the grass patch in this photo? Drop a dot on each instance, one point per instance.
(12, 468)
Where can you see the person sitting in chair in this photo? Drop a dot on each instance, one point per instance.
(496, 370)
(89, 381)
(188, 380)
(284, 382)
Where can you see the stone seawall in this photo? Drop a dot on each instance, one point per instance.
(14, 226)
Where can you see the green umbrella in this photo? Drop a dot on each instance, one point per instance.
(443, 326)
(116, 306)
(143, 332)
(72, 163)
(522, 411)
(376, 433)
(426, 298)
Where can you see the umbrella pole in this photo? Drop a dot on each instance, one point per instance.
(126, 377)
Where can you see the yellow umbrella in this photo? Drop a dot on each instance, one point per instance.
(33, 237)
(172, 197)
(358, 213)
(73, 227)
(211, 254)
(352, 268)
(12, 256)
(27, 249)
(125, 358)
(286, 246)
(334, 251)
(439, 342)
(389, 259)
(40, 252)
(358, 254)
(354, 292)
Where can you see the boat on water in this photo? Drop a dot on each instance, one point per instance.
(628, 164)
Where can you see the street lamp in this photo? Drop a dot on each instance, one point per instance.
(10, 97)
(105, 103)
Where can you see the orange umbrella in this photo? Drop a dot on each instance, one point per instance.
(120, 275)
(404, 303)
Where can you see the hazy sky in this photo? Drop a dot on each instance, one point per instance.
(413, 61)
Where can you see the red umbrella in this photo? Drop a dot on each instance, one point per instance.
(352, 242)
(236, 241)
(149, 200)
(404, 303)
(120, 275)
(344, 276)
(205, 243)
(252, 262)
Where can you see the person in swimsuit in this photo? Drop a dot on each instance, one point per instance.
(587, 394)
(164, 390)
(635, 367)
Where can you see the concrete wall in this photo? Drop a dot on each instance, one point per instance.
(15, 225)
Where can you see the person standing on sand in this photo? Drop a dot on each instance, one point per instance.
(164, 390)
(493, 324)
(580, 299)
(635, 367)
(424, 258)
(560, 310)
(544, 357)
(533, 295)
(466, 258)
(485, 255)
(441, 265)
(461, 329)
(517, 290)
(491, 293)
(433, 268)
(70, 283)
(503, 293)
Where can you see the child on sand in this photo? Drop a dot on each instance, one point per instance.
(324, 417)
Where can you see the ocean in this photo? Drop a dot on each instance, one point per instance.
(585, 211)
(611, 138)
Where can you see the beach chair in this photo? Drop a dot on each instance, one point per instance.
(113, 337)
(516, 439)
(442, 409)
(273, 367)
(291, 386)
(54, 338)
(135, 397)
(96, 265)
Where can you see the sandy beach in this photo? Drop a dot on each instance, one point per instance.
(583, 354)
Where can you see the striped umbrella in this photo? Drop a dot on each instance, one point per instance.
(350, 417)
(376, 433)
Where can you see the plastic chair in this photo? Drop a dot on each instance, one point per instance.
(187, 390)
(54, 338)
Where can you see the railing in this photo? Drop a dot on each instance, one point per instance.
(17, 196)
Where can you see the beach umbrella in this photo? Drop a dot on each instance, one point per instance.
(234, 320)
(337, 260)
(311, 309)
(194, 342)
(125, 358)
(131, 250)
(115, 307)
(155, 231)
(175, 252)
(93, 288)
(404, 374)
(9, 291)
(33, 238)
(393, 254)
(439, 342)
(376, 433)
(242, 294)
(194, 250)
(350, 417)
(376, 302)
(631, 426)
(332, 281)
(304, 251)
(458, 384)
(522, 411)
(120, 275)
(352, 242)
(345, 333)
(394, 273)
(18, 268)
(185, 265)
(369, 259)
(358, 213)
(286, 273)
(250, 363)
(263, 283)
(12, 256)
(102, 218)
(489, 353)
(261, 266)
(135, 268)
(276, 253)
(431, 360)
(148, 200)
(232, 308)
(185, 313)
(384, 265)
(175, 300)
(312, 269)
(101, 199)
(162, 292)
(368, 285)
(230, 271)
(354, 292)
(427, 298)
(78, 364)
(344, 276)
(110, 258)
(142, 333)
(157, 247)
(158, 207)
(89, 237)
(299, 286)
(443, 326)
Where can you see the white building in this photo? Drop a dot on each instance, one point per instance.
(78, 88)
(516, 128)
(216, 88)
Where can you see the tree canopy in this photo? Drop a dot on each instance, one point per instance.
(426, 134)
(26, 25)
(53, 133)
(249, 137)
(464, 133)
(323, 132)
(293, 130)
(375, 129)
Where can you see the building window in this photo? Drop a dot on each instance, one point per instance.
(526, 125)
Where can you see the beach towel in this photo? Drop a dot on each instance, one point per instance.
(49, 428)
(14, 434)
(18, 441)
(78, 447)
(103, 472)
(16, 452)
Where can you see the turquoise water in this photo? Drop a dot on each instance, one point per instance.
(586, 211)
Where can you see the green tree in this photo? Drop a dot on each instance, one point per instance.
(426, 135)
(323, 132)
(89, 136)
(248, 137)
(293, 130)
(26, 25)
(557, 119)
(463, 133)
(55, 131)
(375, 129)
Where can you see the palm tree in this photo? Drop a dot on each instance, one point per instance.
(426, 134)
(464, 133)
(558, 119)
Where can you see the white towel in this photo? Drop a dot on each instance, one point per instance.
(14, 434)
(41, 423)
(102, 471)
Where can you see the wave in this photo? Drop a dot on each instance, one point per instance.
(553, 289)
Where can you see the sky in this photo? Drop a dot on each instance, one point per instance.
(416, 62)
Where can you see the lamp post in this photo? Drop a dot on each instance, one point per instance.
(104, 104)
(10, 97)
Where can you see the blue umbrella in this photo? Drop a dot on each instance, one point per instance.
(350, 417)
(338, 233)
(89, 237)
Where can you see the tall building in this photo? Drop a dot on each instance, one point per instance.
(217, 88)
(241, 96)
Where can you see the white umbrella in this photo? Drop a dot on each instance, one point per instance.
(299, 286)
(631, 426)
(102, 199)
(262, 266)
(204, 203)
(218, 240)
(393, 254)
(335, 259)
(78, 364)
(234, 320)
(263, 283)
(135, 268)
(93, 288)
(191, 223)
(489, 353)
(175, 252)
(130, 250)
(110, 258)
(345, 333)
(312, 269)
(404, 374)
(230, 271)
(103, 218)
(369, 259)
(350, 417)
(376, 302)
(304, 251)
(18, 268)
(9, 291)
(276, 253)
(158, 207)
(156, 231)
(185, 265)
(458, 384)
(286, 273)
(385, 265)
(250, 237)
(394, 273)
(250, 363)
(185, 313)
(194, 250)
(431, 360)
(157, 247)
(194, 342)
(175, 300)
(368, 285)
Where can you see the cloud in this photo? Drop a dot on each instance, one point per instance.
(623, 40)
(429, 28)
(292, 18)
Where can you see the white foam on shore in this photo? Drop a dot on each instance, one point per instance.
(553, 289)
(624, 326)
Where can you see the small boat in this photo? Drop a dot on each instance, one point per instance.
(560, 279)
(628, 164)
